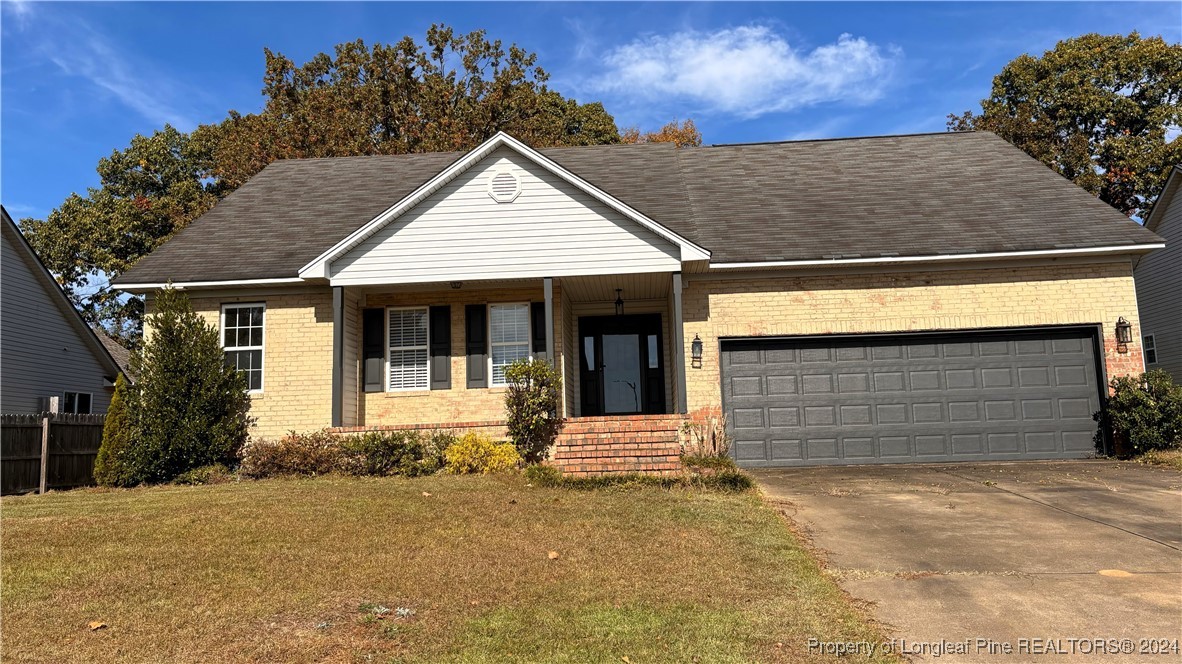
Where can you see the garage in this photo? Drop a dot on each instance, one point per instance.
(953, 396)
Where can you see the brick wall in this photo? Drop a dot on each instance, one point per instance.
(1076, 293)
(632, 444)
(297, 359)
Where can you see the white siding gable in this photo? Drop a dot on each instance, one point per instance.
(551, 229)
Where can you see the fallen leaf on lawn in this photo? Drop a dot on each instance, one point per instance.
(95, 625)
(553, 555)
(512, 502)
(625, 660)
(474, 602)
(426, 494)
(779, 644)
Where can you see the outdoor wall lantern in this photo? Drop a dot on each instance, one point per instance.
(696, 352)
(1124, 334)
(619, 302)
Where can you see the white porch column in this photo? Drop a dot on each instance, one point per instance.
(548, 291)
(678, 329)
(338, 353)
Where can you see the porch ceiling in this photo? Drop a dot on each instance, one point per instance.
(602, 288)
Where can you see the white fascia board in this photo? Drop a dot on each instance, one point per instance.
(319, 267)
(181, 285)
(837, 262)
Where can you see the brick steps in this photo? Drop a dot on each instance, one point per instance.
(590, 446)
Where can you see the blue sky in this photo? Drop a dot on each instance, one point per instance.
(79, 80)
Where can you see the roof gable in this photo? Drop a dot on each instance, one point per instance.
(541, 226)
(1173, 184)
(319, 267)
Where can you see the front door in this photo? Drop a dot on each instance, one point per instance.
(622, 369)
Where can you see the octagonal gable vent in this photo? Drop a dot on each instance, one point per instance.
(504, 186)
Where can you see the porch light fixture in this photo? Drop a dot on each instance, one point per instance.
(457, 285)
(619, 302)
(1124, 334)
(696, 352)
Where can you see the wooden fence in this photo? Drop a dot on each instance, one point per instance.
(48, 451)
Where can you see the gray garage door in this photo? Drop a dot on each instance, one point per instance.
(897, 399)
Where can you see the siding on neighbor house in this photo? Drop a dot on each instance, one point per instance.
(1017, 296)
(1159, 292)
(44, 353)
(552, 229)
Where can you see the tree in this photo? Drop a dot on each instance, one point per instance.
(450, 93)
(112, 466)
(147, 192)
(684, 134)
(189, 409)
(1097, 110)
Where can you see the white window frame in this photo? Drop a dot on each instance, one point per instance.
(261, 347)
(1148, 345)
(528, 336)
(76, 395)
(427, 346)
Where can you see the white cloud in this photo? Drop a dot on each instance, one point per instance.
(747, 71)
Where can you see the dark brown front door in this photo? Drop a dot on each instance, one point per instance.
(621, 370)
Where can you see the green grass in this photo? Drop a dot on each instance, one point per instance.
(295, 570)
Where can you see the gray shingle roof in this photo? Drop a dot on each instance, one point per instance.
(897, 195)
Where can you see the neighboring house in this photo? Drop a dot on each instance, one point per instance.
(890, 299)
(1159, 283)
(46, 349)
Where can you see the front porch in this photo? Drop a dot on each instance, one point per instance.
(425, 354)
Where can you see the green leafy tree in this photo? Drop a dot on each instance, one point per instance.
(532, 403)
(1096, 109)
(190, 409)
(449, 93)
(112, 466)
(147, 192)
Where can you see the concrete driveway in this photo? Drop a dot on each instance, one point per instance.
(1002, 551)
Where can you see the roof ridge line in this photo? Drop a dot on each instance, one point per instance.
(841, 138)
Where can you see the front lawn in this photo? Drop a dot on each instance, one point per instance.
(305, 571)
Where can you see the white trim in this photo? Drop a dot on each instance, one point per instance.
(389, 367)
(1127, 248)
(319, 267)
(1148, 343)
(529, 335)
(181, 285)
(262, 348)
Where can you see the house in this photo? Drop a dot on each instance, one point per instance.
(50, 359)
(889, 299)
(1159, 283)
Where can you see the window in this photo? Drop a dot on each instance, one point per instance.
(76, 402)
(1149, 344)
(408, 349)
(508, 333)
(242, 341)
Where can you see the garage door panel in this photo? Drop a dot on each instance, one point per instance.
(887, 400)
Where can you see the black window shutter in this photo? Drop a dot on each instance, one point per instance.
(537, 312)
(373, 348)
(476, 340)
(440, 348)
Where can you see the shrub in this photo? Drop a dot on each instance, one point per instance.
(705, 437)
(316, 453)
(531, 405)
(478, 453)
(540, 474)
(188, 409)
(113, 465)
(212, 474)
(701, 463)
(387, 453)
(1144, 412)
